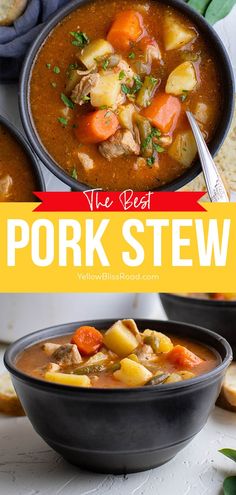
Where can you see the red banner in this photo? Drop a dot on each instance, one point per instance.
(98, 200)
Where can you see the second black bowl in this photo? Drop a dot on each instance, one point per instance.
(120, 430)
(219, 316)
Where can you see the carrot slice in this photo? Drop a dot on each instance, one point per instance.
(163, 112)
(126, 28)
(96, 127)
(88, 340)
(183, 357)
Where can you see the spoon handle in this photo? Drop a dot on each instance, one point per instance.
(215, 185)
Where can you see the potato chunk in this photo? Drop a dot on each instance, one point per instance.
(165, 344)
(132, 374)
(125, 116)
(68, 379)
(106, 91)
(182, 78)
(184, 148)
(176, 34)
(95, 50)
(120, 339)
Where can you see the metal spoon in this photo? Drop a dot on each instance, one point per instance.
(214, 182)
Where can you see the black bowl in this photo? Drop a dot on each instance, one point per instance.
(119, 430)
(227, 85)
(29, 152)
(219, 316)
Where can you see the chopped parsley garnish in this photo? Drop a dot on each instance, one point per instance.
(105, 64)
(80, 39)
(184, 95)
(63, 121)
(121, 75)
(132, 55)
(135, 88)
(56, 69)
(150, 161)
(74, 174)
(48, 66)
(53, 84)
(156, 132)
(158, 148)
(103, 107)
(67, 101)
(85, 98)
(153, 80)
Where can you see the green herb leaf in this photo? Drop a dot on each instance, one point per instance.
(48, 66)
(158, 148)
(63, 121)
(199, 5)
(184, 95)
(103, 107)
(105, 64)
(137, 84)
(131, 55)
(230, 453)
(80, 39)
(229, 485)
(67, 101)
(156, 132)
(85, 98)
(74, 174)
(150, 161)
(218, 9)
(56, 70)
(121, 75)
(125, 89)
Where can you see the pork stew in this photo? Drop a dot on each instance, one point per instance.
(120, 356)
(109, 91)
(17, 180)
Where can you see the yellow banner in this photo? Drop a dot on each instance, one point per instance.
(117, 251)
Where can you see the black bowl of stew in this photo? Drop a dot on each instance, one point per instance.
(218, 315)
(43, 81)
(119, 430)
(20, 172)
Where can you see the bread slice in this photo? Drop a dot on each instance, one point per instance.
(9, 402)
(227, 398)
(10, 10)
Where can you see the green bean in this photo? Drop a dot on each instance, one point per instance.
(158, 379)
(200, 5)
(145, 131)
(86, 370)
(147, 91)
(153, 341)
(218, 9)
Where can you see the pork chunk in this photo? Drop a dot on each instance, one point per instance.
(121, 144)
(66, 355)
(82, 90)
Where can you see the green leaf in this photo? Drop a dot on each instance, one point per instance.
(132, 55)
(158, 148)
(105, 64)
(125, 89)
(80, 39)
(56, 70)
(48, 66)
(218, 9)
(200, 5)
(229, 485)
(230, 453)
(74, 174)
(62, 121)
(67, 101)
(150, 161)
(121, 75)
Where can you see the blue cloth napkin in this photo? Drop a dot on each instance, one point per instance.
(16, 39)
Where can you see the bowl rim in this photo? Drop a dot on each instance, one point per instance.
(28, 150)
(21, 344)
(197, 301)
(27, 119)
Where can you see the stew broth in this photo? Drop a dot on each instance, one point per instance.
(49, 79)
(17, 180)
